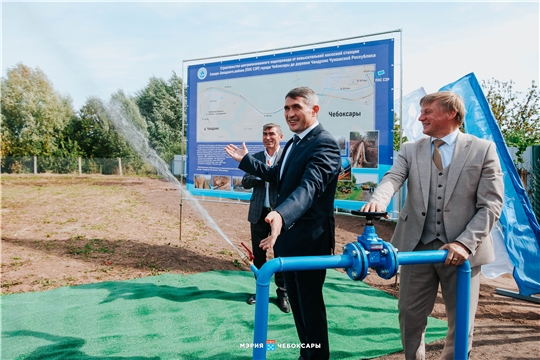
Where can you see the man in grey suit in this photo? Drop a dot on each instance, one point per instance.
(455, 196)
(263, 200)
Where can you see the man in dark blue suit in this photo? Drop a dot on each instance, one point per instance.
(262, 201)
(302, 224)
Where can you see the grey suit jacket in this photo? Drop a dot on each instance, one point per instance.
(473, 197)
(259, 189)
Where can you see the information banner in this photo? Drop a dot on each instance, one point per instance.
(230, 101)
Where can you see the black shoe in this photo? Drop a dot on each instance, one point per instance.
(251, 300)
(283, 302)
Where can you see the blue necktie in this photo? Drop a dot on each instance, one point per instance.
(295, 140)
(287, 156)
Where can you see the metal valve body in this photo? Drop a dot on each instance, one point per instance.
(370, 251)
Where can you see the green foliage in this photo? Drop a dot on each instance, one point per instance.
(37, 121)
(92, 246)
(160, 102)
(96, 135)
(397, 133)
(34, 115)
(130, 111)
(517, 118)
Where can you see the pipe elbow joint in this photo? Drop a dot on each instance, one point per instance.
(266, 271)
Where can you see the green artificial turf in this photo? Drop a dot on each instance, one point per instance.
(200, 316)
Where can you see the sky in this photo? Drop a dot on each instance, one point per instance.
(96, 48)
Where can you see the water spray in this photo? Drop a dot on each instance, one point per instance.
(140, 143)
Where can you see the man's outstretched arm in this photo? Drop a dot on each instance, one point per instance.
(235, 152)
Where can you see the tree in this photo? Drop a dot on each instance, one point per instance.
(33, 114)
(397, 133)
(517, 118)
(129, 111)
(96, 134)
(160, 102)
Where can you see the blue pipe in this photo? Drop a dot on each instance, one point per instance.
(424, 257)
(263, 288)
(461, 344)
(300, 263)
(461, 335)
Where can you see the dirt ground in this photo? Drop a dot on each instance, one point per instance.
(60, 230)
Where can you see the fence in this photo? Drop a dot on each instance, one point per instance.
(530, 173)
(40, 165)
(534, 192)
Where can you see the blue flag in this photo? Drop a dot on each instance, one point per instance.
(520, 226)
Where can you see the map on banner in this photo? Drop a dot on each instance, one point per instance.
(235, 109)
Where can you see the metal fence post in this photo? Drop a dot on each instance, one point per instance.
(80, 166)
(120, 166)
(35, 165)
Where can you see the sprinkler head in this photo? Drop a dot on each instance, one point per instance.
(251, 257)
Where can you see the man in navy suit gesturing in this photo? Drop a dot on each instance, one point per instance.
(302, 223)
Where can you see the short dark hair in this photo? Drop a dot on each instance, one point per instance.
(304, 92)
(272, 125)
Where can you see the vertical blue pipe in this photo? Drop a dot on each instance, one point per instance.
(263, 288)
(261, 306)
(463, 294)
(461, 336)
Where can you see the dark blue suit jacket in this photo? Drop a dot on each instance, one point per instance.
(305, 193)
